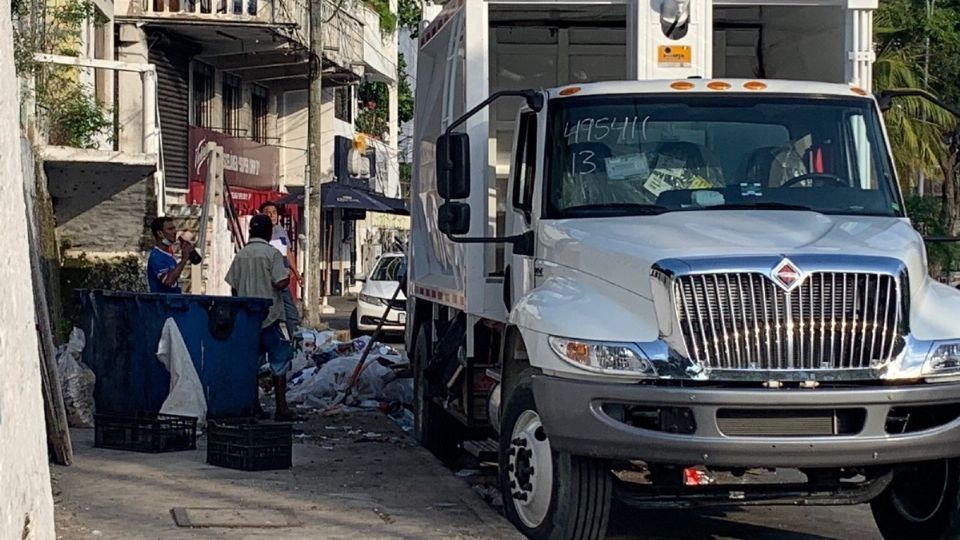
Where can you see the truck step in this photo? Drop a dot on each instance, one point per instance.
(485, 450)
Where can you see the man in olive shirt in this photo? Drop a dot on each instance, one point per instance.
(281, 241)
(258, 271)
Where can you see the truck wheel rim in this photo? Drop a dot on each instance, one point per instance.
(530, 469)
(919, 497)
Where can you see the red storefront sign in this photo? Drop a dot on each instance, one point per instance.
(246, 163)
(246, 201)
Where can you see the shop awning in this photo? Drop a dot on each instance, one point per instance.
(337, 195)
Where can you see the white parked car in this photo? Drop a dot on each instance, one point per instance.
(377, 290)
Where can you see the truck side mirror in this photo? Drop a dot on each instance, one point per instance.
(454, 218)
(453, 166)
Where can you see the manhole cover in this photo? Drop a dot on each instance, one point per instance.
(240, 518)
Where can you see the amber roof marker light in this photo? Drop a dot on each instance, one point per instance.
(755, 85)
(718, 85)
(570, 91)
(682, 85)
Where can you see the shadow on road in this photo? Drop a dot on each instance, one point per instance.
(697, 524)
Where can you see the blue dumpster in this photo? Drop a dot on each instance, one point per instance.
(123, 330)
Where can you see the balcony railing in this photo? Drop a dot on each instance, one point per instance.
(270, 12)
(142, 121)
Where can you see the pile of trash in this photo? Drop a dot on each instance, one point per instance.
(76, 381)
(323, 367)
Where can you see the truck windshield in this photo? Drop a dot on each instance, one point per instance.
(640, 155)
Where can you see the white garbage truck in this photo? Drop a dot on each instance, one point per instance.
(659, 250)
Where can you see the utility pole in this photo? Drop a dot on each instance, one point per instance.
(313, 304)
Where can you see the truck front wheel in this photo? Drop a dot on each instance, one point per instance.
(923, 501)
(549, 494)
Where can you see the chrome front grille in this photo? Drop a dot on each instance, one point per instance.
(831, 321)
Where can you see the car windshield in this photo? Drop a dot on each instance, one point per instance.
(386, 269)
(642, 155)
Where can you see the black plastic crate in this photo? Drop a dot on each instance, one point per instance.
(247, 445)
(145, 432)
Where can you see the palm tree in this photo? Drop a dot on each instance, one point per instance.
(917, 128)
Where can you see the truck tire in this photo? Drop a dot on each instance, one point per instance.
(548, 494)
(434, 428)
(923, 501)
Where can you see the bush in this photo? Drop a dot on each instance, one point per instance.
(927, 216)
(126, 274)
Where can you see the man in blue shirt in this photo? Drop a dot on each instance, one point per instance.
(163, 270)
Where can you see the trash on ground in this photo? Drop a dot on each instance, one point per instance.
(77, 381)
(328, 364)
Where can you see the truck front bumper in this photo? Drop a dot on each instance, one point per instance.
(576, 416)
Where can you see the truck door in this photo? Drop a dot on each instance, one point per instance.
(520, 218)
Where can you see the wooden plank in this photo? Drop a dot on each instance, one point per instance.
(55, 413)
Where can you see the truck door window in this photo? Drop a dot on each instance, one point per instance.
(525, 165)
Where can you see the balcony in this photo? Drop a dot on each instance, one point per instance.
(109, 146)
(289, 16)
(94, 177)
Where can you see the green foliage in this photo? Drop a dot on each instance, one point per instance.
(405, 95)
(926, 215)
(916, 126)
(410, 15)
(406, 177)
(72, 115)
(374, 116)
(388, 19)
(126, 274)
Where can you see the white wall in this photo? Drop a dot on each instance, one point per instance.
(292, 127)
(26, 502)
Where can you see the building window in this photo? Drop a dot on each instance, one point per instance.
(343, 103)
(232, 104)
(259, 105)
(202, 95)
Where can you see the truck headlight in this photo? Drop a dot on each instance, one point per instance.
(944, 359)
(613, 358)
(367, 299)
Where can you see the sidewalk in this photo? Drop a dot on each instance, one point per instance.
(353, 476)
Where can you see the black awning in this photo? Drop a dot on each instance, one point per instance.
(337, 195)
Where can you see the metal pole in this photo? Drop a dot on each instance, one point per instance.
(313, 301)
(921, 177)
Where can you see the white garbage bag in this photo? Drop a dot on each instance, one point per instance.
(325, 383)
(76, 381)
(186, 393)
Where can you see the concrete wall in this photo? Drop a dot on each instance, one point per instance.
(111, 225)
(292, 128)
(26, 502)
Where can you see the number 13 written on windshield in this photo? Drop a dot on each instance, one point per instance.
(583, 162)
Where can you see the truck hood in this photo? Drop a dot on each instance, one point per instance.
(622, 250)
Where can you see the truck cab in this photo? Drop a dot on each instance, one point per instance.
(699, 276)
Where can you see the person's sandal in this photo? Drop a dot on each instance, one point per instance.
(260, 414)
